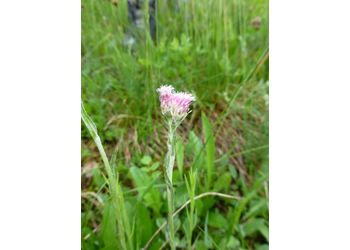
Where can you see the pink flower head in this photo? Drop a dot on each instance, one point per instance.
(165, 94)
(181, 102)
(177, 104)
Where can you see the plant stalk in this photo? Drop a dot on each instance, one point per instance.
(170, 194)
(169, 165)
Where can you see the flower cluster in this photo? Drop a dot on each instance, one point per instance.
(175, 104)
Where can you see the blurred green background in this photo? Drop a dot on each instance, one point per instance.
(215, 49)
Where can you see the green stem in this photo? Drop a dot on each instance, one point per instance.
(170, 194)
(169, 165)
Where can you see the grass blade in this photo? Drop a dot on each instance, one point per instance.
(209, 148)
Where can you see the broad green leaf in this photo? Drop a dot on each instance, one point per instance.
(144, 225)
(146, 160)
(151, 168)
(223, 182)
(144, 182)
(209, 148)
(256, 225)
(217, 220)
(264, 230)
(109, 227)
(230, 243)
(200, 245)
(233, 243)
(199, 207)
(257, 208)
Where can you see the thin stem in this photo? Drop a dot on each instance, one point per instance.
(170, 194)
(184, 205)
(169, 164)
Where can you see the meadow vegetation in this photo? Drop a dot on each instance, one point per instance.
(214, 49)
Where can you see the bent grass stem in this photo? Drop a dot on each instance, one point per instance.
(113, 185)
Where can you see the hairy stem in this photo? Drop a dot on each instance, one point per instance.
(169, 165)
(170, 194)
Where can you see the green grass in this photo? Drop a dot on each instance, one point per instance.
(208, 48)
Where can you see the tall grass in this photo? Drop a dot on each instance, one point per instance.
(206, 46)
(117, 209)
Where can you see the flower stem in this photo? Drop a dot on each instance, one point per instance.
(169, 165)
(170, 194)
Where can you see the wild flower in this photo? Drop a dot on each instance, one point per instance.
(175, 107)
